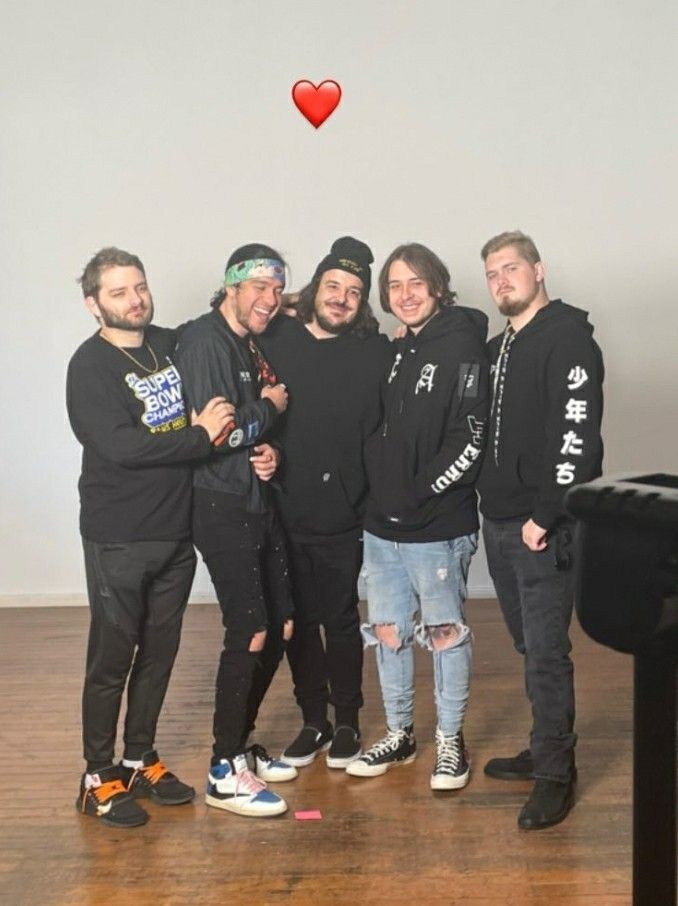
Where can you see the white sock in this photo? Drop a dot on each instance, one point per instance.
(128, 763)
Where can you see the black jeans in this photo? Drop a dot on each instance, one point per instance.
(536, 595)
(247, 562)
(324, 579)
(137, 596)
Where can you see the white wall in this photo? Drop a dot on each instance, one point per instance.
(168, 129)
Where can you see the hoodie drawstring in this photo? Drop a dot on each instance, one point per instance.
(498, 387)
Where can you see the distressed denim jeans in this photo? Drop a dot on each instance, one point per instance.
(417, 587)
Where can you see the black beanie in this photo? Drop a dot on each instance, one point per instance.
(350, 255)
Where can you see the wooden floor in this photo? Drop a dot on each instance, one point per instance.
(385, 840)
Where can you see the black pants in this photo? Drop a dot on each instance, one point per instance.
(137, 596)
(536, 595)
(247, 562)
(324, 579)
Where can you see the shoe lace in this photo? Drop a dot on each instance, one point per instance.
(389, 743)
(449, 752)
(105, 792)
(261, 753)
(152, 772)
(248, 782)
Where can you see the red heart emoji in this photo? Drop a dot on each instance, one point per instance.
(316, 104)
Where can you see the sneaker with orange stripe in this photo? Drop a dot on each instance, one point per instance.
(104, 796)
(153, 781)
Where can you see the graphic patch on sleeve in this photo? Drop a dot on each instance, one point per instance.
(469, 374)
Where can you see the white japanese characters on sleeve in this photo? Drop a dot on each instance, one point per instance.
(576, 410)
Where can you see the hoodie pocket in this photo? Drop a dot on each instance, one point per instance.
(319, 502)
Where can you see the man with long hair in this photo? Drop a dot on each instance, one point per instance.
(331, 359)
(421, 525)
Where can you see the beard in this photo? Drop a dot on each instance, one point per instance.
(511, 308)
(111, 320)
(331, 326)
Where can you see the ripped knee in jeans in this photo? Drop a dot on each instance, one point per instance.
(442, 636)
(388, 634)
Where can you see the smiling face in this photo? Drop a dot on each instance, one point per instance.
(409, 296)
(124, 301)
(514, 282)
(249, 306)
(337, 301)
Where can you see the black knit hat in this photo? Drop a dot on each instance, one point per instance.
(350, 255)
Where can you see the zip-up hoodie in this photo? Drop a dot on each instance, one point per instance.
(545, 422)
(214, 361)
(424, 458)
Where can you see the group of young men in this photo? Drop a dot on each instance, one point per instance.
(292, 450)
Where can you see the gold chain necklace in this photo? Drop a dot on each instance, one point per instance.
(137, 363)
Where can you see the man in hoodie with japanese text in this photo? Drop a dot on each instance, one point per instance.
(422, 524)
(544, 436)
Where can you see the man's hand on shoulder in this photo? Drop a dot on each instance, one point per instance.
(216, 415)
(277, 395)
(534, 536)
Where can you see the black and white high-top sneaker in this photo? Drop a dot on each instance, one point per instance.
(397, 747)
(452, 769)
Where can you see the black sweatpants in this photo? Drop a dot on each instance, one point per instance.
(137, 596)
(247, 562)
(324, 579)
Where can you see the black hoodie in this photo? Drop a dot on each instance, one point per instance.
(333, 406)
(545, 423)
(424, 458)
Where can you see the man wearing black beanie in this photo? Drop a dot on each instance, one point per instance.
(331, 358)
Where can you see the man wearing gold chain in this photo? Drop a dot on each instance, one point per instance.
(126, 407)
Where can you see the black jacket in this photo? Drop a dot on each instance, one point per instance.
(545, 426)
(214, 361)
(334, 406)
(137, 447)
(424, 458)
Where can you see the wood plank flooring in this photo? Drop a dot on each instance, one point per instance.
(386, 840)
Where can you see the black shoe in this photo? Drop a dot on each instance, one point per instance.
(519, 767)
(306, 746)
(452, 769)
(153, 781)
(108, 800)
(267, 768)
(397, 747)
(345, 747)
(549, 803)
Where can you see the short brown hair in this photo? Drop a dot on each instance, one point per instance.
(524, 244)
(426, 265)
(90, 281)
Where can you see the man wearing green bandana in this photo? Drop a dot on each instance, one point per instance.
(235, 527)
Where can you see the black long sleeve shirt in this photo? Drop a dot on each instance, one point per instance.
(135, 483)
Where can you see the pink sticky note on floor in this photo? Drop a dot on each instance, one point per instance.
(310, 815)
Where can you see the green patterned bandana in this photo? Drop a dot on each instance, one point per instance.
(255, 267)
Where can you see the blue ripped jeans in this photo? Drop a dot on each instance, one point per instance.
(417, 587)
